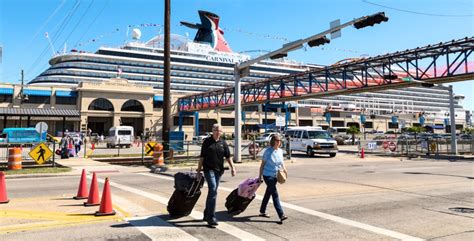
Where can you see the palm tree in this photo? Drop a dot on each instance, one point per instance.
(415, 130)
(353, 130)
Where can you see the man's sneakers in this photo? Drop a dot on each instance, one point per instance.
(211, 223)
(264, 215)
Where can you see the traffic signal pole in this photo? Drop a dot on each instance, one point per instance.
(243, 69)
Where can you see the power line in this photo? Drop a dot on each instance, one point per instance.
(77, 24)
(90, 25)
(419, 13)
(46, 22)
(56, 36)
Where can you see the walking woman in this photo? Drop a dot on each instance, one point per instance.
(272, 161)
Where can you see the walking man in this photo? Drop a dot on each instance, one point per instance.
(213, 152)
(41, 153)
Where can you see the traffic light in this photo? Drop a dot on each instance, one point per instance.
(390, 76)
(371, 20)
(319, 41)
(279, 56)
(428, 85)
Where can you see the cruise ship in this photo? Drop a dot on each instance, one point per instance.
(207, 63)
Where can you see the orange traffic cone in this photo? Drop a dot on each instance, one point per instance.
(93, 199)
(106, 202)
(3, 189)
(82, 190)
(362, 153)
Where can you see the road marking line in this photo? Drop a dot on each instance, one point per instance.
(333, 218)
(58, 216)
(158, 229)
(46, 225)
(154, 227)
(234, 231)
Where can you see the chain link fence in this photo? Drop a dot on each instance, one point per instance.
(409, 147)
(25, 149)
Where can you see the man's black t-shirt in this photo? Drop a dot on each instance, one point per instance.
(213, 153)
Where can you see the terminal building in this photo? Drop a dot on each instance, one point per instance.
(123, 86)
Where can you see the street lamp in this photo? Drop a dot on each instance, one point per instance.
(243, 69)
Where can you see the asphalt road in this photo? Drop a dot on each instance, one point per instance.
(342, 198)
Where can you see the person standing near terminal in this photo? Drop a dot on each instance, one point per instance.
(272, 161)
(211, 161)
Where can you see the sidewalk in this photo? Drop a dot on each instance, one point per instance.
(78, 163)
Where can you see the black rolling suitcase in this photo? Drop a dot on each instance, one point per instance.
(236, 204)
(183, 199)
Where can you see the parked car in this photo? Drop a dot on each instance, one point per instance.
(200, 139)
(265, 138)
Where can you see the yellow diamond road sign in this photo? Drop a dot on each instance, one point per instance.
(41, 153)
(149, 148)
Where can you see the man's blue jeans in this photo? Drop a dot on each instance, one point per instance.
(271, 191)
(212, 179)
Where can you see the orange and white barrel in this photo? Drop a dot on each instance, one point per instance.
(158, 158)
(14, 159)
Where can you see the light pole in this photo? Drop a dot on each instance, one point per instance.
(454, 143)
(243, 69)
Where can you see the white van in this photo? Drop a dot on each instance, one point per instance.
(312, 140)
(120, 136)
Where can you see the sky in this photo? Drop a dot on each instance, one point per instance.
(261, 25)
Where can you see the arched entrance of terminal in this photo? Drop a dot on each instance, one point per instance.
(130, 110)
(136, 123)
(205, 125)
(100, 125)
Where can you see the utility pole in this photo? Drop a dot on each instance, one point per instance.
(166, 82)
(21, 93)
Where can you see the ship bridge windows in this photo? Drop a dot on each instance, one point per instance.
(101, 104)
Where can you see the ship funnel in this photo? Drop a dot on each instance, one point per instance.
(209, 31)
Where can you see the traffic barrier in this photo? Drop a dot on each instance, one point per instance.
(362, 153)
(14, 159)
(158, 158)
(106, 202)
(82, 190)
(3, 189)
(94, 199)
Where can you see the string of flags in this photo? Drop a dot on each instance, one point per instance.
(266, 36)
(98, 38)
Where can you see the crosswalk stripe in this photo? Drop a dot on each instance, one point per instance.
(227, 228)
(327, 216)
(158, 229)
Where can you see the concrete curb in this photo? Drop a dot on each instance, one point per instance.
(18, 176)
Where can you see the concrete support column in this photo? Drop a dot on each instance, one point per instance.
(297, 116)
(218, 114)
(117, 119)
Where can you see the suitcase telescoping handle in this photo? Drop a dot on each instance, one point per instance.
(194, 187)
